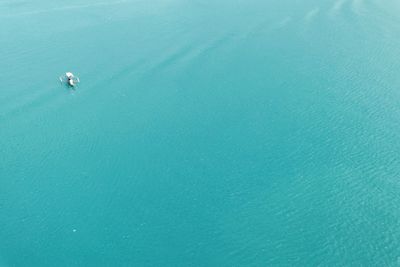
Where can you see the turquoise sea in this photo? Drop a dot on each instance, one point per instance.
(203, 133)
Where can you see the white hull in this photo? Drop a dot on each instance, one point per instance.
(70, 79)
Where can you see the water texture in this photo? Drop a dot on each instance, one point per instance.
(203, 133)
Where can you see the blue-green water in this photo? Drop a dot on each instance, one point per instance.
(203, 133)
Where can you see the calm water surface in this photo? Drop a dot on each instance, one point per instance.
(203, 133)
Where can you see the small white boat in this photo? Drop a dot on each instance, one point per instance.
(70, 79)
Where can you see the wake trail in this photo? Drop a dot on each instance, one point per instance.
(311, 14)
(101, 4)
(337, 7)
